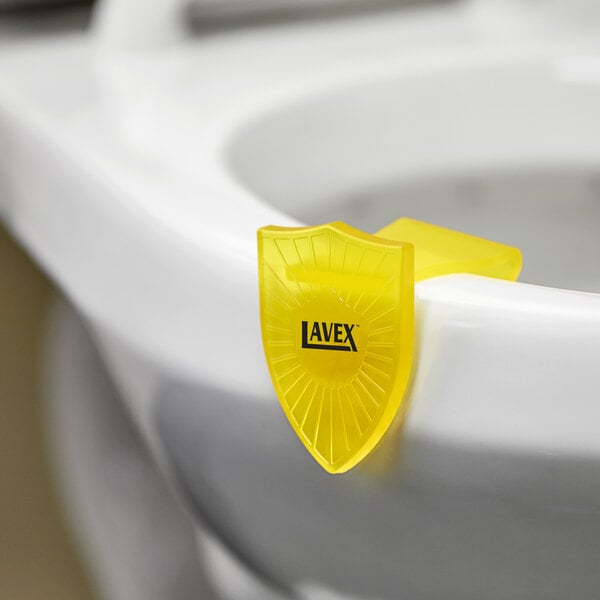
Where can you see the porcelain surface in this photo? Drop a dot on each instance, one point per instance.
(137, 178)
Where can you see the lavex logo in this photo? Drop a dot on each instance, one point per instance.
(328, 336)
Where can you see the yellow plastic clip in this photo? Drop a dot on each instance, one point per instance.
(337, 321)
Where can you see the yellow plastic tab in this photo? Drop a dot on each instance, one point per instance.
(337, 317)
(337, 323)
(441, 251)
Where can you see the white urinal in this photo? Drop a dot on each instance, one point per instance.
(136, 164)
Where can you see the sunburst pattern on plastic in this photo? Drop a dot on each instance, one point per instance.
(337, 321)
(336, 304)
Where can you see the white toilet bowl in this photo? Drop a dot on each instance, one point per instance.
(138, 178)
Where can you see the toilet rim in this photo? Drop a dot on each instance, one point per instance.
(147, 290)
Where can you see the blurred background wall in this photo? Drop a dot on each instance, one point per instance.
(37, 556)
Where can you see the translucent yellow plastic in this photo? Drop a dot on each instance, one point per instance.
(441, 251)
(337, 318)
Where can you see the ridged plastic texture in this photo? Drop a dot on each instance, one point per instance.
(337, 317)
